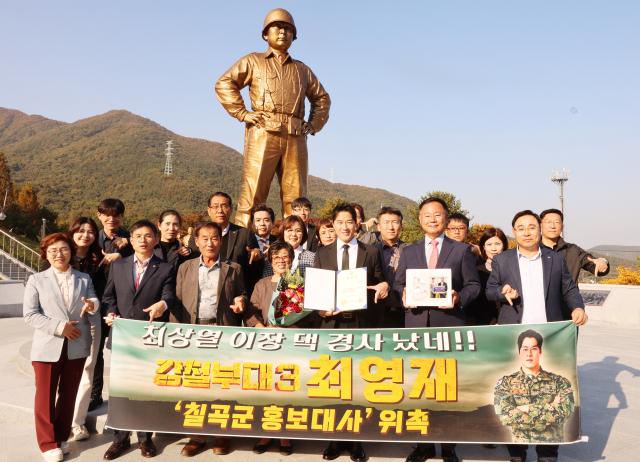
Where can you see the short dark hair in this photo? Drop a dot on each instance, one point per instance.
(111, 207)
(262, 208)
(390, 211)
(169, 212)
(359, 209)
(221, 194)
(488, 234)
(52, 239)
(530, 333)
(459, 217)
(548, 211)
(324, 223)
(301, 202)
(524, 213)
(144, 224)
(288, 223)
(344, 208)
(277, 246)
(208, 224)
(428, 200)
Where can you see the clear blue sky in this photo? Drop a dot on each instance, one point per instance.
(474, 98)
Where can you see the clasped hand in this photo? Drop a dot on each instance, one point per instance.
(455, 298)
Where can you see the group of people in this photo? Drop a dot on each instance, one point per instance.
(227, 274)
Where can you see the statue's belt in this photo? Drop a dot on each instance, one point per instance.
(278, 117)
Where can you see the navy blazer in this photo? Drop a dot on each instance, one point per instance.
(464, 274)
(557, 281)
(121, 297)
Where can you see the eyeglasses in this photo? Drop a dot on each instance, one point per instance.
(522, 229)
(146, 237)
(459, 230)
(554, 222)
(277, 259)
(302, 209)
(63, 251)
(224, 207)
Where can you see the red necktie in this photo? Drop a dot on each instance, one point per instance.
(433, 258)
(140, 272)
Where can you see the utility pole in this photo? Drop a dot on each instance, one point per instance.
(168, 166)
(560, 179)
(43, 231)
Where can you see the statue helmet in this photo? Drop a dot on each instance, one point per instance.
(279, 15)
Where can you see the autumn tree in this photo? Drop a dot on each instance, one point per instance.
(28, 200)
(626, 276)
(327, 210)
(476, 232)
(6, 185)
(412, 231)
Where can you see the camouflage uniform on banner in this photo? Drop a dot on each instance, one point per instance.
(550, 400)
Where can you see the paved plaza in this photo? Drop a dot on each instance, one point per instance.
(608, 364)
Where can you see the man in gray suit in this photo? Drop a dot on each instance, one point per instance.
(531, 282)
(390, 248)
(210, 291)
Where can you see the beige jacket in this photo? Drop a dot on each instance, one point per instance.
(230, 286)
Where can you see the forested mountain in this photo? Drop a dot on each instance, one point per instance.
(119, 154)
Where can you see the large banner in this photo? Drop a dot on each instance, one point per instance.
(463, 384)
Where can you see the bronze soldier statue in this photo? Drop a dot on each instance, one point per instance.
(275, 140)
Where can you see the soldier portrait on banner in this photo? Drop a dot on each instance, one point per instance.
(532, 402)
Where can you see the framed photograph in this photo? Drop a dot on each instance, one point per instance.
(429, 287)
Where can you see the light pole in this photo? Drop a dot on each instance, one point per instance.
(560, 179)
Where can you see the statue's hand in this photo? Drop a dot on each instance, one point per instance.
(256, 118)
(307, 129)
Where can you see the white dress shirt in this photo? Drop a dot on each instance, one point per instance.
(532, 281)
(429, 248)
(226, 230)
(353, 253)
(66, 280)
(138, 264)
(296, 258)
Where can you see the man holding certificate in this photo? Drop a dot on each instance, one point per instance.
(436, 253)
(359, 267)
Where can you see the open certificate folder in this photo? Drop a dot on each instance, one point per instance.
(327, 290)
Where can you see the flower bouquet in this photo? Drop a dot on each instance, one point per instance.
(288, 301)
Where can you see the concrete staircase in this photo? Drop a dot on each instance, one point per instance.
(17, 261)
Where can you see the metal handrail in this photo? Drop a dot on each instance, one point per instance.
(15, 253)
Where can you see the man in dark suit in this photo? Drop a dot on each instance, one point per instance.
(210, 291)
(238, 244)
(438, 251)
(302, 208)
(390, 248)
(140, 287)
(114, 242)
(262, 221)
(351, 254)
(531, 282)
